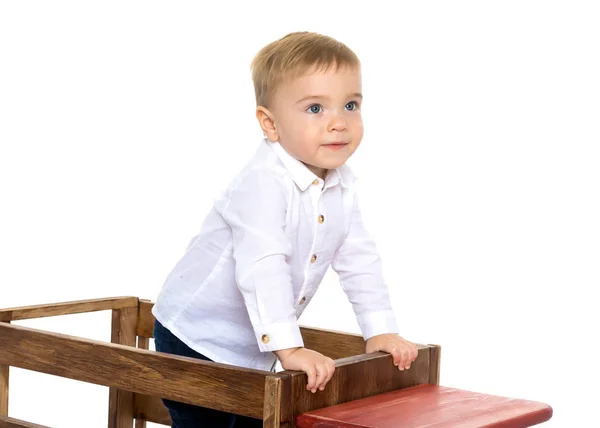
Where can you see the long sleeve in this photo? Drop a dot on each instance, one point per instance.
(256, 213)
(358, 265)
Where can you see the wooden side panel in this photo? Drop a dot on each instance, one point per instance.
(333, 344)
(219, 386)
(120, 412)
(358, 377)
(66, 308)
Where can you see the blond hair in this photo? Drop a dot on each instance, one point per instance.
(292, 56)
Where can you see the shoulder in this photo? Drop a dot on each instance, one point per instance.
(263, 173)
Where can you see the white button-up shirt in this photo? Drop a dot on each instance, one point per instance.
(238, 291)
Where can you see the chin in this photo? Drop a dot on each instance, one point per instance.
(333, 164)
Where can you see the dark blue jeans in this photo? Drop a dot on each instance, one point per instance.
(186, 415)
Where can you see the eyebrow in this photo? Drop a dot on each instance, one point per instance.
(323, 97)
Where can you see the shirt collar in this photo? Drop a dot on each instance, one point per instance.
(304, 177)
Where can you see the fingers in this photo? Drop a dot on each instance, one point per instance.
(311, 372)
(406, 358)
(396, 356)
(403, 356)
(330, 367)
(414, 352)
(401, 359)
(321, 377)
(320, 374)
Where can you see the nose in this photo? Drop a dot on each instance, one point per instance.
(337, 123)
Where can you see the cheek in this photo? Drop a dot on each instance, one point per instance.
(308, 125)
(357, 127)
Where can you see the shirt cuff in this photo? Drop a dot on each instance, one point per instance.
(276, 336)
(375, 323)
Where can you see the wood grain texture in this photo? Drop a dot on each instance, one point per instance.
(151, 409)
(143, 343)
(66, 308)
(120, 408)
(272, 402)
(219, 386)
(425, 406)
(145, 319)
(333, 344)
(278, 408)
(6, 422)
(358, 377)
(287, 419)
(4, 371)
(435, 353)
(140, 422)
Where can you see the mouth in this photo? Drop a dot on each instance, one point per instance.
(336, 145)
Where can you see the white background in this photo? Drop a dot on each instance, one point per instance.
(479, 172)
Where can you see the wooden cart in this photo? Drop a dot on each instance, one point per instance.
(138, 377)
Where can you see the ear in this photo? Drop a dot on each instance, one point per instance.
(266, 120)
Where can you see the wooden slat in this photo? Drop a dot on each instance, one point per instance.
(142, 343)
(272, 403)
(124, 323)
(358, 377)
(66, 308)
(4, 371)
(219, 386)
(333, 344)
(145, 319)
(151, 409)
(6, 422)
(287, 416)
(277, 409)
(434, 364)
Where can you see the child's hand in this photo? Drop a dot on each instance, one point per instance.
(403, 351)
(318, 367)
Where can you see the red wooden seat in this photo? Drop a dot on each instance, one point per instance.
(428, 406)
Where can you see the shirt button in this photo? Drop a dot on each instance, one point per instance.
(302, 300)
(316, 181)
(313, 258)
(321, 219)
(265, 338)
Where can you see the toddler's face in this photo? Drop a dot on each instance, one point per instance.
(317, 117)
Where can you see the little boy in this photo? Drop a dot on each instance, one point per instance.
(236, 295)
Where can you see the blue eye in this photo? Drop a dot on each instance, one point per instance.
(315, 108)
(351, 106)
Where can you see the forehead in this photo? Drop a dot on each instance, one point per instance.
(335, 80)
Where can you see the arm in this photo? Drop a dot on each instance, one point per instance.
(358, 265)
(256, 212)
